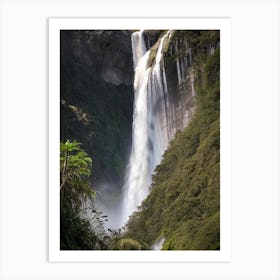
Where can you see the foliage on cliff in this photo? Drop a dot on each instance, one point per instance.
(129, 244)
(184, 203)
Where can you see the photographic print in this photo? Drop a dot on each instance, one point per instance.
(139, 136)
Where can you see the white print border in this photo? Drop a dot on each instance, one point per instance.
(57, 24)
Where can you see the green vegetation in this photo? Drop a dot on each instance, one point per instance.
(152, 55)
(129, 244)
(154, 36)
(81, 224)
(77, 201)
(75, 168)
(184, 203)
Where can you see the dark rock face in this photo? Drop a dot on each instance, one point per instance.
(97, 98)
(115, 55)
(107, 52)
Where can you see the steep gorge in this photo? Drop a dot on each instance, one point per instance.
(176, 75)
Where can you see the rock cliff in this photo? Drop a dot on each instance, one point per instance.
(97, 97)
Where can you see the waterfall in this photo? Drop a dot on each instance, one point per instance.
(158, 244)
(156, 116)
(158, 107)
(136, 179)
(149, 130)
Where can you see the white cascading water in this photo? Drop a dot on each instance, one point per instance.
(158, 244)
(150, 127)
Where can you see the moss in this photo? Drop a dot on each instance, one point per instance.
(168, 244)
(208, 237)
(153, 53)
(128, 244)
(212, 68)
(154, 48)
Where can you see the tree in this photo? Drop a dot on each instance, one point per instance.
(75, 170)
(80, 223)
